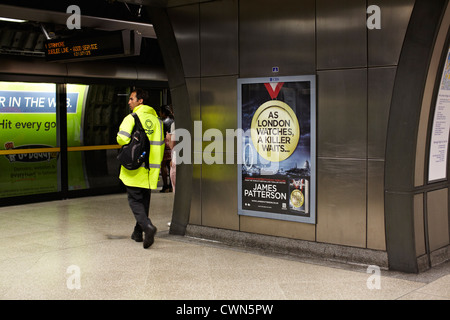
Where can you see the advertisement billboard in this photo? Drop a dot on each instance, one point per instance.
(28, 122)
(276, 175)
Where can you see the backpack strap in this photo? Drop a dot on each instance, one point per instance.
(138, 125)
(137, 121)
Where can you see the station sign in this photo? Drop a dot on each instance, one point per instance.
(105, 45)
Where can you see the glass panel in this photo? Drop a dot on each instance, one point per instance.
(76, 98)
(29, 152)
(91, 135)
(92, 131)
(28, 148)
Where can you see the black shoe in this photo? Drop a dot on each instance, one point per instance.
(137, 236)
(149, 236)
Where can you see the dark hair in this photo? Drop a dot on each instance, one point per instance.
(167, 111)
(141, 94)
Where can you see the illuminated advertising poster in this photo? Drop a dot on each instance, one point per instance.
(28, 121)
(276, 172)
(441, 127)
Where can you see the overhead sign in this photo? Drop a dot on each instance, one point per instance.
(34, 102)
(100, 46)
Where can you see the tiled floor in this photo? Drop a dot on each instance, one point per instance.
(81, 249)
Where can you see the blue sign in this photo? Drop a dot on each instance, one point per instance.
(34, 102)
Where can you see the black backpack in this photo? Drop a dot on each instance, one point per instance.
(133, 154)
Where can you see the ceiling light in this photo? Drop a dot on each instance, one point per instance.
(12, 20)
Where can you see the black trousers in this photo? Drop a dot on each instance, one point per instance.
(139, 201)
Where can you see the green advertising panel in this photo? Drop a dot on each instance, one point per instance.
(28, 121)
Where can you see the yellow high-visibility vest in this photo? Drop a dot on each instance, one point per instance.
(142, 177)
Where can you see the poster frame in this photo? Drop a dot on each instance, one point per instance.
(311, 219)
(440, 128)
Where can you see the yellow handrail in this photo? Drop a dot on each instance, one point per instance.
(34, 150)
(89, 148)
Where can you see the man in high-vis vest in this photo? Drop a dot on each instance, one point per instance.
(140, 181)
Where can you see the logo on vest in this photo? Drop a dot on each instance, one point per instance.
(149, 126)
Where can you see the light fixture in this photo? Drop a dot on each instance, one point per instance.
(12, 20)
(47, 36)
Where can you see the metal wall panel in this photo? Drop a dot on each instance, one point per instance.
(278, 228)
(341, 202)
(342, 113)
(193, 86)
(219, 106)
(341, 34)
(419, 227)
(437, 219)
(271, 35)
(219, 196)
(219, 38)
(218, 113)
(186, 26)
(385, 44)
(376, 236)
(381, 84)
(195, 216)
(151, 73)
